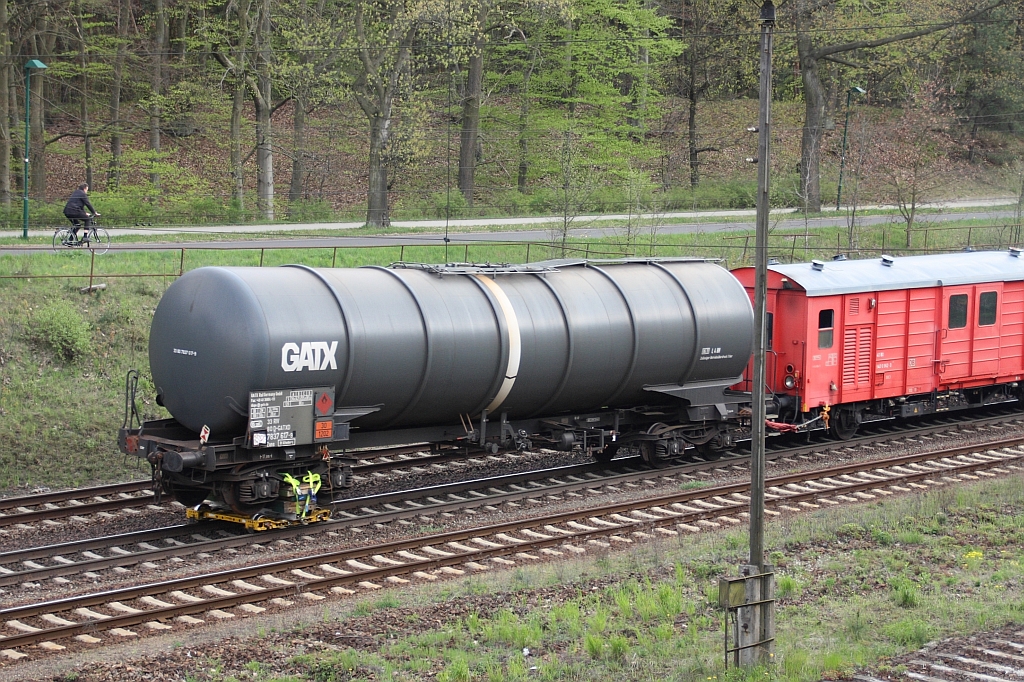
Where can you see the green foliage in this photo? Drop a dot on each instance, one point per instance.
(910, 537)
(856, 626)
(338, 667)
(449, 204)
(618, 647)
(881, 536)
(310, 211)
(787, 587)
(456, 671)
(60, 327)
(905, 594)
(909, 632)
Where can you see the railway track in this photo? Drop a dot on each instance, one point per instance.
(32, 565)
(77, 504)
(252, 589)
(144, 548)
(995, 657)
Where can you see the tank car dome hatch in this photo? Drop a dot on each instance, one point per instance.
(428, 344)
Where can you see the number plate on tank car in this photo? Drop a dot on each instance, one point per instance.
(287, 417)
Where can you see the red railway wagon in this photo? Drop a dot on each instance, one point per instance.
(852, 341)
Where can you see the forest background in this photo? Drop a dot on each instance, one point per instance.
(228, 111)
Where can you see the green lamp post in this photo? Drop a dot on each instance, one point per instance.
(842, 157)
(29, 65)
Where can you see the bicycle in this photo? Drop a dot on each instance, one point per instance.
(94, 238)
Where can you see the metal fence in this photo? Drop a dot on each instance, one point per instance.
(733, 249)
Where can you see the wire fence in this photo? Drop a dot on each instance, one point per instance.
(733, 249)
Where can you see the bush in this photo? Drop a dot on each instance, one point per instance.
(449, 204)
(310, 211)
(202, 210)
(59, 326)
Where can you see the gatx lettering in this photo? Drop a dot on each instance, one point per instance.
(311, 355)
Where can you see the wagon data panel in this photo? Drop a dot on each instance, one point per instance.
(287, 417)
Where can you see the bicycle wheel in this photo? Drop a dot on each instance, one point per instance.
(99, 240)
(61, 238)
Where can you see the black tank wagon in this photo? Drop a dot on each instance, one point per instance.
(272, 374)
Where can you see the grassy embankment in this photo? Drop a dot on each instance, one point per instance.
(857, 586)
(63, 355)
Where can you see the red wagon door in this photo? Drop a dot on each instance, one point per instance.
(954, 357)
(985, 349)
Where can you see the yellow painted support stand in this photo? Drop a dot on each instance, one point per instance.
(256, 523)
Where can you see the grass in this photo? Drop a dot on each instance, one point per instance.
(851, 601)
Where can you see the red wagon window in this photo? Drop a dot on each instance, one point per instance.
(958, 311)
(826, 323)
(987, 308)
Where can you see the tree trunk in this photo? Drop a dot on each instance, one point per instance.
(691, 120)
(814, 114)
(238, 102)
(84, 96)
(5, 106)
(298, 149)
(179, 48)
(238, 188)
(471, 110)
(377, 190)
(37, 157)
(16, 125)
(156, 84)
(524, 125)
(114, 172)
(264, 151)
(262, 101)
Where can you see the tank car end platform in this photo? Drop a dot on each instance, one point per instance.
(255, 522)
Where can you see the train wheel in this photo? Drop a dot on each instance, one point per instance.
(653, 452)
(707, 452)
(229, 492)
(843, 424)
(607, 454)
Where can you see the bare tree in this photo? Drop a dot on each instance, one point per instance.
(912, 156)
(811, 53)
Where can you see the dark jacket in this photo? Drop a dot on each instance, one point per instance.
(79, 201)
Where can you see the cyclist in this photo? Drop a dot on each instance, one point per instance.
(75, 210)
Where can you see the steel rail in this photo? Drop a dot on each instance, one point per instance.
(456, 454)
(370, 516)
(76, 494)
(722, 507)
(242, 540)
(95, 543)
(77, 510)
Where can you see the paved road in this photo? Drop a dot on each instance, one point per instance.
(587, 227)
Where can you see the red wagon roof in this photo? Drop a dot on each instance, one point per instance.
(827, 278)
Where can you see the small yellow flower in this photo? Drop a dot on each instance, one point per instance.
(973, 554)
